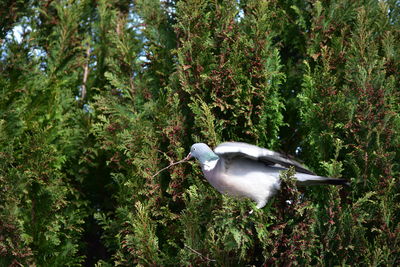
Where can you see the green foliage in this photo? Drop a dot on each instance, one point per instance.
(349, 95)
(10, 12)
(97, 96)
(232, 66)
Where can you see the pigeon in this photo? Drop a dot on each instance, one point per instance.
(244, 170)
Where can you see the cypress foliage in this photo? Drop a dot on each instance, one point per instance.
(227, 60)
(350, 99)
(97, 96)
(41, 210)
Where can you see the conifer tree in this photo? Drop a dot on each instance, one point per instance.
(42, 212)
(350, 107)
(97, 96)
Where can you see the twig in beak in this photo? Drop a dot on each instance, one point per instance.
(189, 156)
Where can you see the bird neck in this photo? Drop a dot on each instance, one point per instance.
(209, 165)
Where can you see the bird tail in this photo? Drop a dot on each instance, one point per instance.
(306, 180)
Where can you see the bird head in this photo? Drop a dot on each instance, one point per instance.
(202, 153)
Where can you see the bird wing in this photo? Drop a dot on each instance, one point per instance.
(269, 157)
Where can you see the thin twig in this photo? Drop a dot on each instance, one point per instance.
(172, 164)
(85, 72)
(198, 253)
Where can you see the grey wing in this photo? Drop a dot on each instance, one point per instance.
(233, 149)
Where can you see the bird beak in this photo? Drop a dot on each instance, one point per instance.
(189, 156)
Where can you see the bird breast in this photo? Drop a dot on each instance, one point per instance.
(242, 178)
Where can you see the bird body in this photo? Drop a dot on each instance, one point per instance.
(244, 170)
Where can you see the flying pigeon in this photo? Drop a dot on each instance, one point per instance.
(244, 170)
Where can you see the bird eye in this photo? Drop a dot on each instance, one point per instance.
(194, 149)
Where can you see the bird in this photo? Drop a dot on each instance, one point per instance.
(244, 170)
